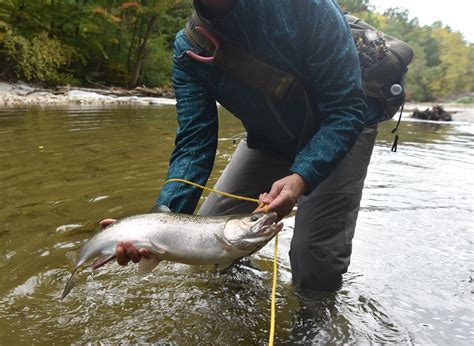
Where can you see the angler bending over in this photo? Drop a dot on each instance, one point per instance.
(309, 139)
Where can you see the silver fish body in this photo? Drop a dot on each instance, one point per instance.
(189, 239)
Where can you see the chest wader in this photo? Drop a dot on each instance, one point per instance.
(321, 245)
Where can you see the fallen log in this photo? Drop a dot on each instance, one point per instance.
(437, 113)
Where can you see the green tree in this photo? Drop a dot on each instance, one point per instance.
(129, 42)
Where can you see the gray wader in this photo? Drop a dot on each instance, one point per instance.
(325, 220)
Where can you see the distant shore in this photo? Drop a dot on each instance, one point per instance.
(21, 94)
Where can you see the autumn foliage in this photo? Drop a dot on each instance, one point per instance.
(129, 43)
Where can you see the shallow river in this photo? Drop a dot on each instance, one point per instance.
(64, 169)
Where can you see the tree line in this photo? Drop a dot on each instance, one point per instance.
(443, 67)
(98, 42)
(129, 43)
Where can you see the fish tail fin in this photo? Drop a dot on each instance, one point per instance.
(70, 284)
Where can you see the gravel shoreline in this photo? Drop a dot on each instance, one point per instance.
(20, 94)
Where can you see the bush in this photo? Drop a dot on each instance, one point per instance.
(158, 65)
(40, 58)
(465, 100)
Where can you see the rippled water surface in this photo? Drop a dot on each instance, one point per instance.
(64, 169)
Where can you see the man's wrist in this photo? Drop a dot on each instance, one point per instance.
(301, 185)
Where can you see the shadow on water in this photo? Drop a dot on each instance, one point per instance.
(64, 169)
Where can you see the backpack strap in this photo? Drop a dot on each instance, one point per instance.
(243, 66)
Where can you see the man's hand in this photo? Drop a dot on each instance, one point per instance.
(283, 195)
(126, 251)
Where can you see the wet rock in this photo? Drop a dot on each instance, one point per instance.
(68, 228)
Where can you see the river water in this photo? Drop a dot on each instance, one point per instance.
(64, 169)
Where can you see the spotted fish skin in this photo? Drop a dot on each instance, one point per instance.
(189, 239)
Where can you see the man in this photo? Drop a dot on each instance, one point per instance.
(319, 161)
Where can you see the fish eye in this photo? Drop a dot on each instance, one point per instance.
(254, 218)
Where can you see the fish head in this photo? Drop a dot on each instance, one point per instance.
(250, 233)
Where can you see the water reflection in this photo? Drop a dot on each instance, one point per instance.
(64, 169)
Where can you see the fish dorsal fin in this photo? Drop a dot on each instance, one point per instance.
(146, 265)
(160, 209)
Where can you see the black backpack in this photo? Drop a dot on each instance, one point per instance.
(384, 62)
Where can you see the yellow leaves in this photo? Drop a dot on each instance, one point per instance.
(37, 58)
(379, 20)
(4, 26)
(454, 75)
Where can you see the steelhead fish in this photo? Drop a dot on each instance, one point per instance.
(188, 239)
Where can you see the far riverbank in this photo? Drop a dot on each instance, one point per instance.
(21, 94)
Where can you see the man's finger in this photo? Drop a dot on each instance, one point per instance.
(276, 203)
(132, 252)
(144, 253)
(281, 206)
(122, 257)
(262, 208)
(104, 223)
(274, 192)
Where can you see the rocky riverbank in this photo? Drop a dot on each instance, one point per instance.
(21, 94)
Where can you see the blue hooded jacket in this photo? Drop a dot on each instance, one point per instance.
(308, 38)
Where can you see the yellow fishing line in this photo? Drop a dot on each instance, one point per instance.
(212, 190)
(275, 251)
(274, 285)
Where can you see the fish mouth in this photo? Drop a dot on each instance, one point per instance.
(269, 225)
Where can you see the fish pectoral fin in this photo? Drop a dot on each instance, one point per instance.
(146, 265)
(101, 261)
(157, 249)
(223, 266)
(221, 240)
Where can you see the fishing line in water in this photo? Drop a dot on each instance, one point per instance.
(275, 251)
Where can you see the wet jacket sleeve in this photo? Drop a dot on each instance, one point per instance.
(333, 66)
(196, 140)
